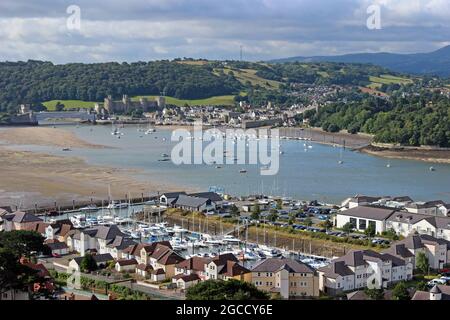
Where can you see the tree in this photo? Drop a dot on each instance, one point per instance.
(326, 224)
(347, 228)
(374, 294)
(370, 230)
(88, 263)
(225, 290)
(234, 210)
(273, 216)
(23, 243)
(308, 222)
(422, 263)
(256, 212)
(400, 292)
(279, 204)
(59, 106)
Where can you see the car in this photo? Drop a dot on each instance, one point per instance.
(56, 255)
(437, 281)
(446, 279)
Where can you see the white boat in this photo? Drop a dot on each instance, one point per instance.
(89, 208)
(228, 239)
(248, 255)
(270, 252)
(119, 220)
(150, 131)
(78, 221)
(178, 229)
(106, 219)
(213, 242)
(117, 205)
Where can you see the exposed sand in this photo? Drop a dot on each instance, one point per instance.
(44, 136)
(29, 178)
(435, 156)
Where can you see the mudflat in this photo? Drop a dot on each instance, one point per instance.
(29, 178)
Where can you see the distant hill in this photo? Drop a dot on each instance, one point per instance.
(433, 63)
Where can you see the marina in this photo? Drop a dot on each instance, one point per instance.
(183, 241)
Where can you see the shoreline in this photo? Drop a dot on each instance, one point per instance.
(30, 178)
(429, 156)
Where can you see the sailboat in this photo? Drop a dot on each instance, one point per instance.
(388, 164)
(340, 157)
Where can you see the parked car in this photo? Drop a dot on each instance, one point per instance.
(434, 282)
(446, 279)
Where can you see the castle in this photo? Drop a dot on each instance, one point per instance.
(109, 106)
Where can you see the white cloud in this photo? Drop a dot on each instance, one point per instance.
(156, 29)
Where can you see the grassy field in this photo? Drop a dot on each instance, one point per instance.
(214, 101)
(377, 82)
(193, 63)
(69, 104)
(244, 75)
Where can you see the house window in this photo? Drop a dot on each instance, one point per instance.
(373, 224)
(353, 222)
(362, 224)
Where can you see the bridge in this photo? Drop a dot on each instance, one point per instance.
(75, 115)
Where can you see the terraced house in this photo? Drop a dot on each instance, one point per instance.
(289, 278)
(357, 268)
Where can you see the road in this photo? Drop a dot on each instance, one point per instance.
(161, 294)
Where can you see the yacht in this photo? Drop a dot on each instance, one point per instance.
(228, 239)
(106, 220)
(117, 205)
(78, 221)
(91, 221)
(89, 208)
(270, 252)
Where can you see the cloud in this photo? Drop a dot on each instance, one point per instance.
(113, 30)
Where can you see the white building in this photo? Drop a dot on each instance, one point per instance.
(436, 250)
(362, 216)
(358, 268)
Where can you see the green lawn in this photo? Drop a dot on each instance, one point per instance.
(214, 101)
(69, 104)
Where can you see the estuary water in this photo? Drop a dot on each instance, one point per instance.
(307, 170)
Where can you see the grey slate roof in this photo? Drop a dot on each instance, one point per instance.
(214, 197)
(275, 265)
(192, 202)
(368, 212)
(22, 217)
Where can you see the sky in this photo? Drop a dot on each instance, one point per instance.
(143, 30)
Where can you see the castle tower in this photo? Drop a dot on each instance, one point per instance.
(126, 102)
(108, 104)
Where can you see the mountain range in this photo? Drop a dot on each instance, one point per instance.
(433, 63)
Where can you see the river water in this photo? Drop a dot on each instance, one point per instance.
(305, 173)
